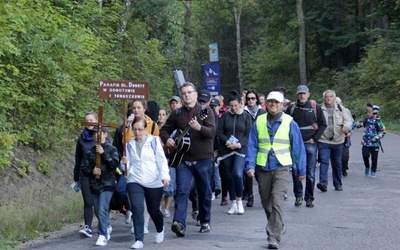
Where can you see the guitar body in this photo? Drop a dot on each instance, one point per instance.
(182, 142)
(182, 147)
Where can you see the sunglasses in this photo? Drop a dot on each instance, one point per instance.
(251, 98)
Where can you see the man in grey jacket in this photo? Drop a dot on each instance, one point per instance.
(330, 145)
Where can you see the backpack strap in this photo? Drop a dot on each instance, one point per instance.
(153, 144)
(153, 127)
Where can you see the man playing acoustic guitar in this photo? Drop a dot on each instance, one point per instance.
(195, 163)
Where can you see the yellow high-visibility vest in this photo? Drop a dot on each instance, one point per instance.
(280, 144)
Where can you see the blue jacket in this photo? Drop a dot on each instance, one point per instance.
(297, 149)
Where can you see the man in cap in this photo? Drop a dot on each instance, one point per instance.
(175, 103)
(308, 115)
(204, 97)
(275, 145)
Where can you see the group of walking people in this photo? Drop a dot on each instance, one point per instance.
(217, 148)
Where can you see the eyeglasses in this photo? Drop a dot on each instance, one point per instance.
(251, 98)
(187, 93)
(138, 129)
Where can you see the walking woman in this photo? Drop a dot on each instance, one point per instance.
(85, 142)
(147, 175)
(254, 108)
(233, 133)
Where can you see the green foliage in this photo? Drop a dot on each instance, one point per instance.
(43, 166)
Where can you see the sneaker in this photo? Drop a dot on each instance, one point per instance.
(344, 172)
(233, 209)
(159, 237)
(138, 244)
(109, 231)
(272, 244)
(205, 228)
(178, 229)
(86, 232)
(128, 217)
(322, 187)
(240, 209)
(101, 241)
(198, 223)
(166, 213)
(309, 203)
(298, 202)
(339, 188)
(373, 175)
(250, 201)
(195, 213)
(366, 172)
(224, 201)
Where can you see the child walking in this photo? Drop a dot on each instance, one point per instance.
(102, 181)
(371, 140)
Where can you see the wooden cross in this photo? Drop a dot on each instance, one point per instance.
(99, 124)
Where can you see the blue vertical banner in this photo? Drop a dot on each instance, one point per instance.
(211, 78)
(213, 48)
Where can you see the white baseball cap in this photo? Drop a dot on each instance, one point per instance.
(275, 95)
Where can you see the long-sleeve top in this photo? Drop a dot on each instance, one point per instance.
(297, 149)
(340, 119)
(85, 143)
(147, 166)
(374, 131)
(201, 142)
(109, 162)
(237, 125)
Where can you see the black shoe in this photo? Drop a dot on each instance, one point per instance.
(205, 228)
(298, 202)
(250, 201)
(339, 188)
(224, 201)
(344, 173)
(322, 187)
(178, 229)
(309, 204)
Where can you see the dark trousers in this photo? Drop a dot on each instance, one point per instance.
(152, 196)
(224, 185)
(87, 201)
(345, 158)
(373, 152)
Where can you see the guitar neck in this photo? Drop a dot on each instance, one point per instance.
(183, 133)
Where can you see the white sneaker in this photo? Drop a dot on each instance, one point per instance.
(128, 217)
(101, 241)
(138, 244)
(166, 213)
(233, 209)
(159, 237)
(86, 232)
(109, 231)
(240, 208)
(146, 230)
(213, 196)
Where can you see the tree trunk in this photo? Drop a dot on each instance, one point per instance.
(302, 43)
(238, 47)
(187, 47)
(125, 15)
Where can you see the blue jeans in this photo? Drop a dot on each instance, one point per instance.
(101, 204)
(311, 153)
(234, 166)
(332, 152)
(201, 171)
(152, 196)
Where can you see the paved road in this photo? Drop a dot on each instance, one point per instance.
(365, 215)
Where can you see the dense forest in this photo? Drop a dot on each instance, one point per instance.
(54, 52)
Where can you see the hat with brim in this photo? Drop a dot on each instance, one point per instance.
(275, 95)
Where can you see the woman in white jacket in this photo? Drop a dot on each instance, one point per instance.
(147, 175)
